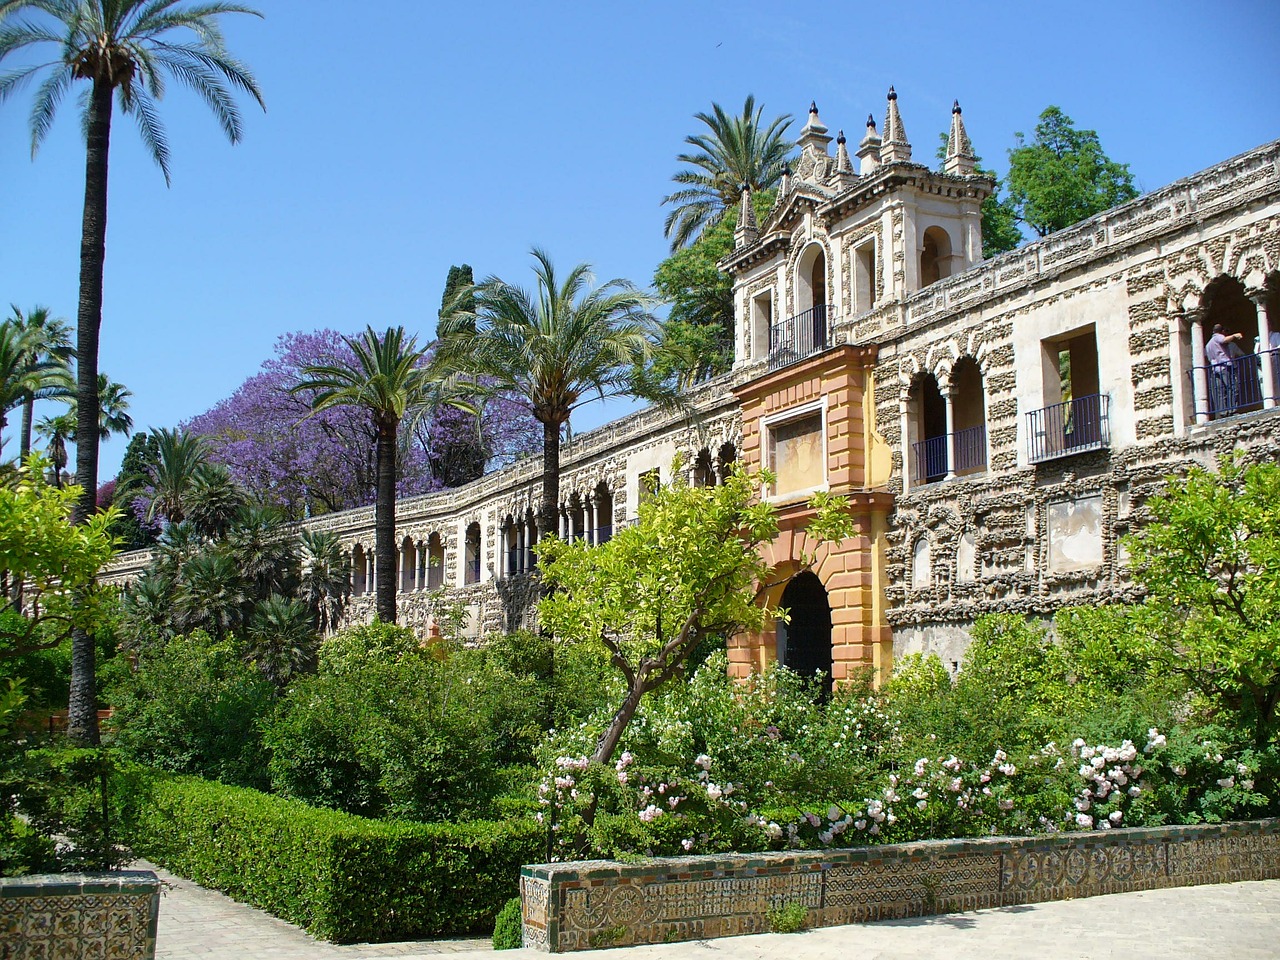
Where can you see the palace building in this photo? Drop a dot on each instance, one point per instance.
(996, 424)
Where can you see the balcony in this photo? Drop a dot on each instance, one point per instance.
(1068, 428)
(1240, 386)
(800, 336)
(930, 459)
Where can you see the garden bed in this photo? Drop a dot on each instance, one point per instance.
(588, 904)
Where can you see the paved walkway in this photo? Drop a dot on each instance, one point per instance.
(1239, 920)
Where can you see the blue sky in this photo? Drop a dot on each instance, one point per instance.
(409, 136)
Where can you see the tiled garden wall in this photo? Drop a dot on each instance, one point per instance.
(80, 915)
(596, 903)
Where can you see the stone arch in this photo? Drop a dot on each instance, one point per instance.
(804, 639)
(360, 564)
(726, 456)
(603, 498)
(926, 440)
(1233, 386)
(703, 472)
(408, 563)
(969, 417)
(811, 284)
(433, 577)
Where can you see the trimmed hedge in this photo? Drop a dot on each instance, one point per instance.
(344, 878)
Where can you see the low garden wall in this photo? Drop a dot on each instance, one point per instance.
(597, 903)
(80, 915)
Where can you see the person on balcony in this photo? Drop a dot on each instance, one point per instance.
(1223, 389)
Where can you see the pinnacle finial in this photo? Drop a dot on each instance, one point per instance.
(955, 106)
(892, 94)
(896, 148)
(960, 160)
(840, 137)
(871, 120)
(747, 230)
(813, 106)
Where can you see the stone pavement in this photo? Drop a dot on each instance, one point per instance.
(1240, 921)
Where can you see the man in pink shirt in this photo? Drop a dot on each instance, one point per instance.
(1223, 392)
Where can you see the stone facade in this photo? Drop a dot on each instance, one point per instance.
(578, 906)
(89, 916)
(996, 424)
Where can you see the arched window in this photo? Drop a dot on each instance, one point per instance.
(935, 256)
(1233, 375)
(359, 571)
(725, 457)
(921, 565)
(804, 639)
(604, 514)
(704, 474)
(577, 518)
(511, 541)
(471, 571)
(969, 418)
(927, 430)
(435, 562)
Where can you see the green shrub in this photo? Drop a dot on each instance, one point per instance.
(791, 918)
(508, 927)
(194, 706)
(342, 877)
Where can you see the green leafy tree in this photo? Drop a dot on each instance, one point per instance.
(113, 417)
(688, 572)
(550, 351)
(131, 483)
(123, 50)
(1210, 562)
(180, 458)
(282, 639)
(57, 560)
(27, 369)
(1062, 175)
(734, 150)
(388, 380)
(698, 332)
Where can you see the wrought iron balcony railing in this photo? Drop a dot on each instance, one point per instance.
(1238, 386)
(1073, 426)
(931, 458)
(800, 336)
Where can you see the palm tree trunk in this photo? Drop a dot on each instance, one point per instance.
(28, 413)
(82, 709)
(550, 480)
(384, 523)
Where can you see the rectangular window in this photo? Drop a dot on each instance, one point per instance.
(864, 290)
(796, 454)
(761, 324)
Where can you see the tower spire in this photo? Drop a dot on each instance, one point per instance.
(960, 157)
(747, 230)
(843, 164)
(869, 148)
(814, 135)
(896, 148)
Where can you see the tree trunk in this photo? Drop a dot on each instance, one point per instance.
(621, 720)
(384, 524)
(550, 480)
(82, 710)
(28, 413)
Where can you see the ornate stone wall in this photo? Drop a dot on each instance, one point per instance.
(578, 906)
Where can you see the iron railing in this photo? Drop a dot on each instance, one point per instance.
(931, 457)
(1237, 386)
(472, 572)
(1073, 426)
(800, 336)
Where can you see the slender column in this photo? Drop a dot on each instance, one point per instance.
(1266, 355)
(949, 398)
(521, 533)
(1199, 379)
(570, 527)
(905, 419)
(590, 510)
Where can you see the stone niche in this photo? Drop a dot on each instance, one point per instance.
(1075, 534)
(107, 915)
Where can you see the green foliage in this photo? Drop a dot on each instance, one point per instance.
(507, 927)
(342, 877)
(55, 559)
(393, 730)
(83, 803)
(131, 483)
(790, 918)
(698, 331)
(194, 706)
(1210, 562)
(1062, 176)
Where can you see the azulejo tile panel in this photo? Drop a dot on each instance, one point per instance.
(109, 917)
(586, 905)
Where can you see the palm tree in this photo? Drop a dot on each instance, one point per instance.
(282, 639)
(265, 557)
(180, 456)
(389, 380)
(51, 340)
(25, 372)
(210, 594)
(113, 408)
(56, 432)
(734, 151)
(324, 577)
(125, 49)
(551, 351)
(213, 500)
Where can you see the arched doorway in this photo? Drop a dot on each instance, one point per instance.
(804, 643)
